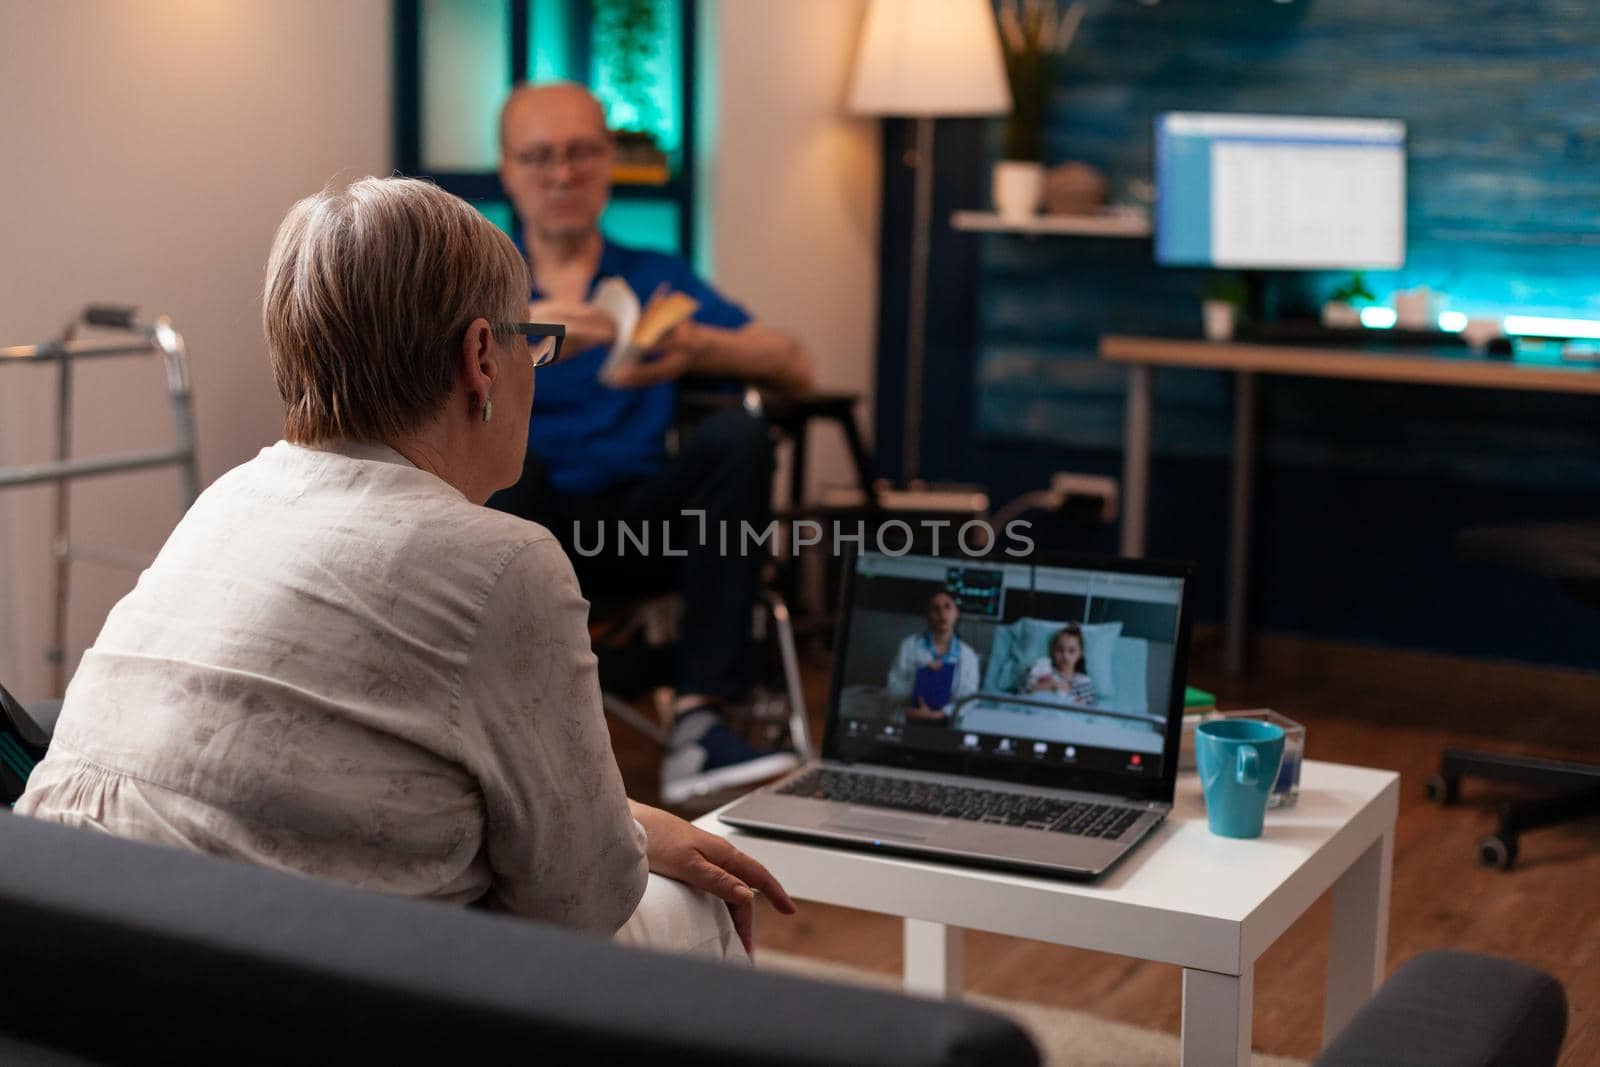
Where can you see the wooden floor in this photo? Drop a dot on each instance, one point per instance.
(1377, 708)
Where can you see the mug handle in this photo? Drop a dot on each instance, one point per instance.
(1247, 771)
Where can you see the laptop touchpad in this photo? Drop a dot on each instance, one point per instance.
(884, 824)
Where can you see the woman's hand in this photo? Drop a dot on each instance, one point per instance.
(587, 326)
(922, 713)
(707, 862)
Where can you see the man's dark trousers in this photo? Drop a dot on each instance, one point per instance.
(723, 468)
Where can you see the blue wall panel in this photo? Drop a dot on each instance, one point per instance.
(1363, 486)
(1502, 103)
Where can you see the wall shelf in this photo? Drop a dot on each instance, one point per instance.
(1113, 222)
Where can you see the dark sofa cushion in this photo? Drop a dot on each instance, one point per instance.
(127, 953)
(1456, 1009)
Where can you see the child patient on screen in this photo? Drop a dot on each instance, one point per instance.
(1059, 676)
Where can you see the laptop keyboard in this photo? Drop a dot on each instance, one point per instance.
(961, 802)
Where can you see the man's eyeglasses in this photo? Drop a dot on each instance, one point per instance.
(544, 339)
(583, 155)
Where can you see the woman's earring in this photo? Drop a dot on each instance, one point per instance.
(488, 408)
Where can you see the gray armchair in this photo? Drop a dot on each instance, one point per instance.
(1456, 1009)
(120, 952)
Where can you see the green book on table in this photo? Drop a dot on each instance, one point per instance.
(1197, 699)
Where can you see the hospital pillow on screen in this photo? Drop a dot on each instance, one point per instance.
(1019, 645)
(1100, 643)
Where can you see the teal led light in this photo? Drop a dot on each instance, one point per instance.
(549, 27)
(1375, 318)
(1544, 326)
(649, 224)
(1452, 321)
(654, 103)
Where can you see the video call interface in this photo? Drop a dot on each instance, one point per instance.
(1009, 661)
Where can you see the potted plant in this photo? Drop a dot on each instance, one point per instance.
(628, 34)
(1341, 308)
(1221, 300)
(1033, 34)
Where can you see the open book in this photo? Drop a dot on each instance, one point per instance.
(638, 329)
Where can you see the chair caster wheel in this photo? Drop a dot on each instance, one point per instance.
(1497, 853)
(1442, 790)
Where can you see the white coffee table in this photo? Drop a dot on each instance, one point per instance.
(1208, 904)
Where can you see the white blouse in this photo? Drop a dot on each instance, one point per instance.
(339, 665)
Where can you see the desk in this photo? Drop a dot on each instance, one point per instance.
(1142, 354)
(1208, 904)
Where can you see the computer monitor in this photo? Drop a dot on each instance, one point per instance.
(1270, 192)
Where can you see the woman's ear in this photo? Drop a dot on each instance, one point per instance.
(478, 363)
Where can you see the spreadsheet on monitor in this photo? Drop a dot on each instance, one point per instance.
(1280, 192)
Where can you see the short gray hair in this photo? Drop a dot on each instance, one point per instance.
(369, 292)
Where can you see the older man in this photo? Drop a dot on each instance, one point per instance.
(597, 450)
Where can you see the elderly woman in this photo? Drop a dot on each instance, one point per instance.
(342, 664)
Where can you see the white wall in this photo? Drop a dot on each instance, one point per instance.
(150, 148)
(795, 188)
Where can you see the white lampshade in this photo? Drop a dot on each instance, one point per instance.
(930, 57)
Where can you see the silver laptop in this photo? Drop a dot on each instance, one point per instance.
(1010, 713)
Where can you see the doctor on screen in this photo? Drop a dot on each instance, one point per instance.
(935, 668)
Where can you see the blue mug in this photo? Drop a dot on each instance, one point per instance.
(1238, 761)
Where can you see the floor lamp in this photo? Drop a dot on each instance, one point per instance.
(926, 59)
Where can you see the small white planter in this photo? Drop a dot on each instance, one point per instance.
(1018, 189)
(1219, 318)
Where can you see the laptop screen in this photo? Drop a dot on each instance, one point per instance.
(1055, 674)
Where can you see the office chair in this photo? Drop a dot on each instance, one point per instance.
(1570, 554)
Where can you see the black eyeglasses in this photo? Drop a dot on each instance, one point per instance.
(544, 339)
(583, 155)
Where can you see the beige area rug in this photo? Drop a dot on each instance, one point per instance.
(1065, 1038)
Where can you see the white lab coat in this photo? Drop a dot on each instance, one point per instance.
(913, 654)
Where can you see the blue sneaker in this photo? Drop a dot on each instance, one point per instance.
(705, 757)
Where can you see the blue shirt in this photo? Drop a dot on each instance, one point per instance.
(590, 436)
